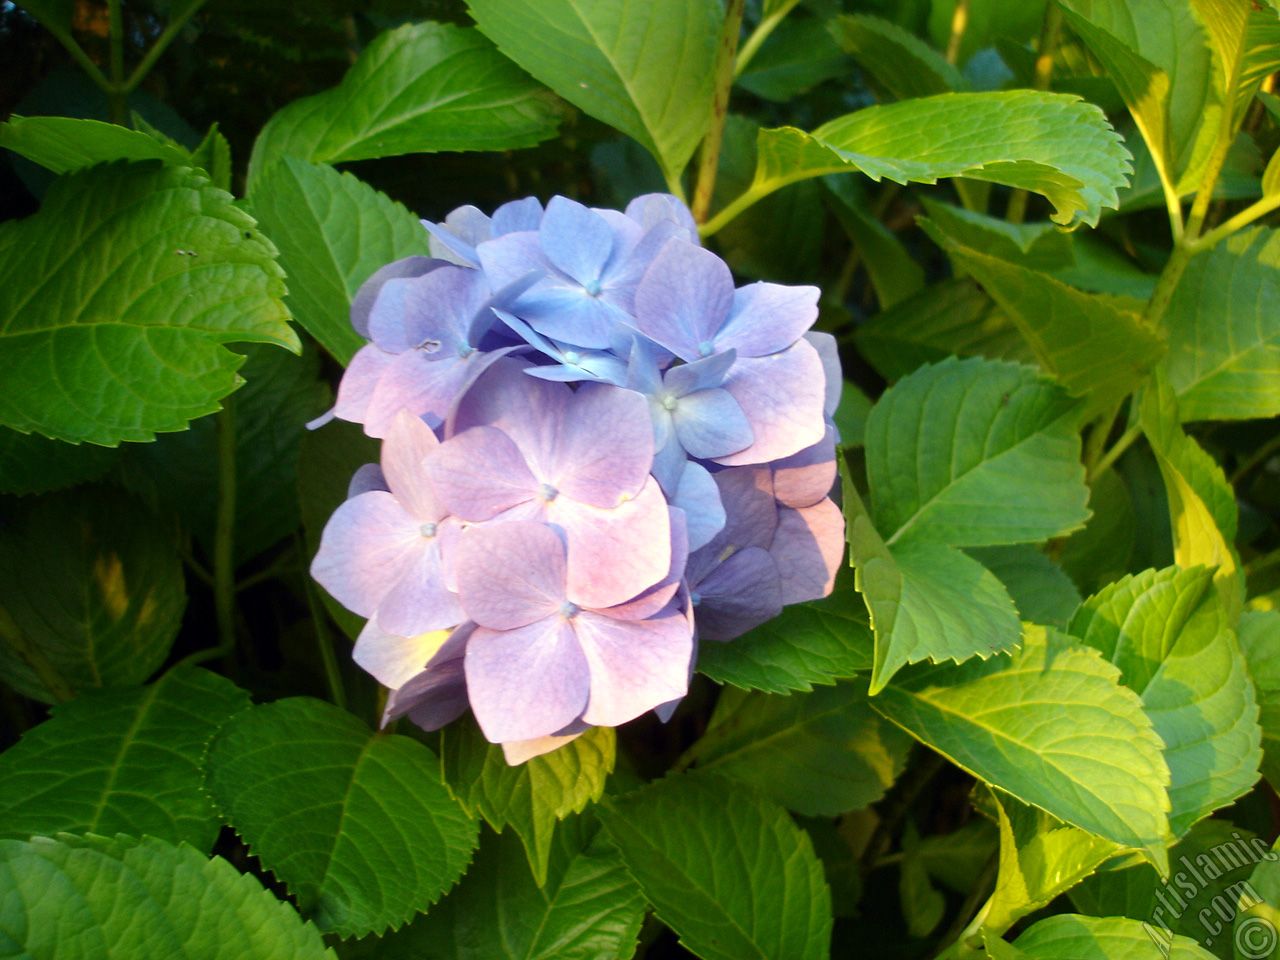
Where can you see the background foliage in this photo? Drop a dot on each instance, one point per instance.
(1037, 717)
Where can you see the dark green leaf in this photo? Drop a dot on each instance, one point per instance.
(30, 463)
(419, 88)
(1259, 636)
(1041, 590)
(359, 825)
(764, 900)
(900, 62)
(121, 761)
(92, 582)
(63, 144)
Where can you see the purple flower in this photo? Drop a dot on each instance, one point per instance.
(423, 673)
(464, 229)
(541, 657)
(382, 553)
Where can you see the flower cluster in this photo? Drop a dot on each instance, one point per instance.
(596, 450)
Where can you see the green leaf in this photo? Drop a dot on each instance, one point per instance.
(1040, 858)
(896, 60)
(121, 761)
(1159, 57)
(1100, 553)
(1202, 506)
(1094, 348)
(1037, 246)
(333, 231)
(766, 900)
(644, 67)
(1001, 719)
(587, 909)
(420, 88)
(213, 156)
(1206, 864)
(124, 899)
(1224, 336)
(820, 753)
(532, 796)
(798, 55)
(64, 145)
(1071, 937)
(1259, 635)
(359, 825)
(808, 643)
(92, 583)
(30, 463)
(1168, 633)
(1041, 590)
(986, 22)
(115, 299)
(172, 474)
(1047, 143)
(952, 317)
(975, 453)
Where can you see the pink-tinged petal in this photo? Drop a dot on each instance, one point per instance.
(356, 387)
(829, 353)
(406, 447)
(659, 595)
(684, 297)
(394, 661)
(710, 424)
(698, 496)
(504, 397)
(362, 303)
(602, 448)
(413, 381)
(782, 396)
(437, 694)
(808, 547)
(520, 751)
(768, 318)
(510, 574)
(576, 239)
(367, 477)
(364, 550)
(804, 478)
(479, 473)
(615, 554)
(419, 601)
(742, 592)
(635, 664)
(528, 682)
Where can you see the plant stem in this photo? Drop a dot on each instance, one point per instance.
(171, 30)
(1242, 219)
(1112, 455)
(224, 534)
(1098, 438)
(709, 159)
(117, 96)
(760, 34)
(968, 923)
(324, 641)
(1168, 282)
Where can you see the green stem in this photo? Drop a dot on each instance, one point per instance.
(1168, 282)
(1258, 457)
(760, 34)
(1242, 219)
(324, 641)
(959, 937)
(117, 96)
(30, 654)
(162, 43)
(1112, 455)
(224, 533)
(1098, 438)
(709, 160)
(80, 57)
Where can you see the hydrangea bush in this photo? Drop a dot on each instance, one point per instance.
(835, 513)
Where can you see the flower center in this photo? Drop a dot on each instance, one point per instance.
(547, 492)
(669, 402)
(592, 287)
(695, 598)
(569, 610)
(572, 357)
(706, 348)
(428, 530)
